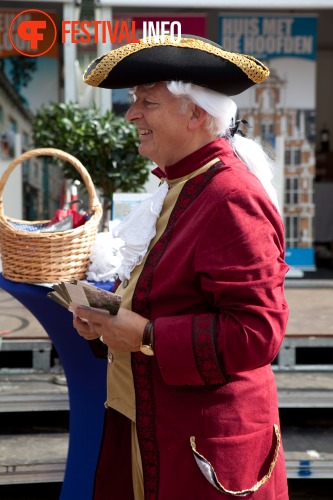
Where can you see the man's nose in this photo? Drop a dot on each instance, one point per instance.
(133, 113)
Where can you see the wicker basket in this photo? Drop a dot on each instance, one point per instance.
(36, 257)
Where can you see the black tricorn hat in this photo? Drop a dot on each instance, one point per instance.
(192, 59)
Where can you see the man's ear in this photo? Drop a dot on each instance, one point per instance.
(197, 118)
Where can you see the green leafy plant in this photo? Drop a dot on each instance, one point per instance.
(107, 145)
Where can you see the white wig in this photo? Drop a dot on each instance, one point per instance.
(222, 111)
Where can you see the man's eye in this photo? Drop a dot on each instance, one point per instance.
(150, 104)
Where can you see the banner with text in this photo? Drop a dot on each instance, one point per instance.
(281, 110)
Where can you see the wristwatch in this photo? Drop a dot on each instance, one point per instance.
(146, 346)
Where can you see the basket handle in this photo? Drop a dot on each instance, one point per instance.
(58, 153)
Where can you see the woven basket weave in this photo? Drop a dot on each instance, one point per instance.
(36, 257)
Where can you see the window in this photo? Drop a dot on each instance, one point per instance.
(25, 140)
(292, 156)
(297, 157)
(292, 231)
(12, 125)
(291, 193)
(267, 133)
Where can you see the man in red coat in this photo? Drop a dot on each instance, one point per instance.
(191, 409)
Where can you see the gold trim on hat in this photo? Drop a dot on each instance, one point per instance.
(254, 69)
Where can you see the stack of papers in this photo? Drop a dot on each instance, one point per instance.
(78, 293)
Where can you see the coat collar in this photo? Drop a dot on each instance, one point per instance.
(215, 149)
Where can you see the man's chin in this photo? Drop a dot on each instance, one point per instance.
(144, 152)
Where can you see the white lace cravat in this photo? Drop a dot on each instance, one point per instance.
(137, 230)
(118, 252)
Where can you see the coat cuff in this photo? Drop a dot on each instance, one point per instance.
(205, 350)
(186, 352)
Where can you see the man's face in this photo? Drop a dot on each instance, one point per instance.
(161, 126)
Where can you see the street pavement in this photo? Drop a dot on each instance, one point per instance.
(311, 309)
(16, 322)
(310, 302)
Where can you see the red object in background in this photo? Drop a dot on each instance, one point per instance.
(74, 197)
(62, 213)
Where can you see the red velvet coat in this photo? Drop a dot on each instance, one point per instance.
(213, 283)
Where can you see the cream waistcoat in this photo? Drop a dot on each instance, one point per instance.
(120, 386)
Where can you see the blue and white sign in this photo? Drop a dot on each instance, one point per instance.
(302, 258)
(267, 37)
(281, 112)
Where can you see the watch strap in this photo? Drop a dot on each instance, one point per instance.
(147, 342)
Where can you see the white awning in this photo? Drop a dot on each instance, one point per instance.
(223, 4)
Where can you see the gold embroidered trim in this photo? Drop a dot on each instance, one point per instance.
(253, 68)
(262, 481)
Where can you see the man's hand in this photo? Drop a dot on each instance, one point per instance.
(121, 332)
